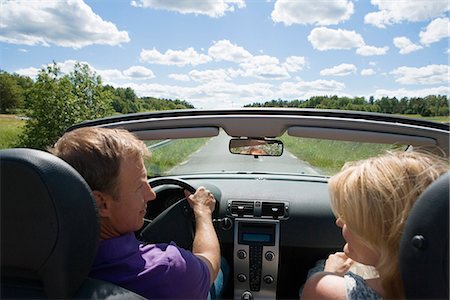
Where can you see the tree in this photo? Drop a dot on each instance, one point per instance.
(58, 101)
(93, 100)
(11, 93)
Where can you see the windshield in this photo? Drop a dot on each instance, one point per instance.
(301, 156)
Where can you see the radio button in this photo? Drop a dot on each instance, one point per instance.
(268, 279)
(242, 278)
(269, 255)
(247, 296)
(241, 254)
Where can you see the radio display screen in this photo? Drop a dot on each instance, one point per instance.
(256, 233)
(256, 237)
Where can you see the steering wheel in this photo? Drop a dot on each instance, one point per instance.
(176, 223)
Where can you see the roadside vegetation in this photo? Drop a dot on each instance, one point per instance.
(429, 106)
(164, 158)
(10, 129)
(329, 156)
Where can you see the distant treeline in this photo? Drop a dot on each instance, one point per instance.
(16, 91)
(125, 101)
(433, 105)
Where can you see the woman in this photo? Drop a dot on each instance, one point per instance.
(371, 200)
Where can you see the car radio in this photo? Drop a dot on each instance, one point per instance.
(256, 256)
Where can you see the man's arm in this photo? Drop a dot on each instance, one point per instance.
(206, 245)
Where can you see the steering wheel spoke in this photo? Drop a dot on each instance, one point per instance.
(176, 223)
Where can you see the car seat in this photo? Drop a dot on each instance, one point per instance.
(49, 230)
(424, 250)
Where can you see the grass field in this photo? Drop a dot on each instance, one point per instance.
(10, 128)
(329, 156)
(165, 158)
(439, 119)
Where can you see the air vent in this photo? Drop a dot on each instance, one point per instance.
(241, 208)
(275, 210)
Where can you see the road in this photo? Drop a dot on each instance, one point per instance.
(214, 156)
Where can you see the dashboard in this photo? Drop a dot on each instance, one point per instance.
(272, 229)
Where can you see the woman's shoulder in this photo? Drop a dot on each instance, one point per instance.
(324, 285)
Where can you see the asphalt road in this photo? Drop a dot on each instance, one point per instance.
(214, 156)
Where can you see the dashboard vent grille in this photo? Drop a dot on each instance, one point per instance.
(241, 208)
(275, 210)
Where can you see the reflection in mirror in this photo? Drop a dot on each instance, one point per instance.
(256, 147)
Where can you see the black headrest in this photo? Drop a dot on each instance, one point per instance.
(424, 246)
(49, 222)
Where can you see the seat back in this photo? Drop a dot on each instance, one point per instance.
(424, 252)
(49, 226)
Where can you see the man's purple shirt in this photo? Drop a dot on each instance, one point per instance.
(155, 271)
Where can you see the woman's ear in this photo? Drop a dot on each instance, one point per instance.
(101, 200)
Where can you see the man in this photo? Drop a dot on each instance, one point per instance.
(112, 163)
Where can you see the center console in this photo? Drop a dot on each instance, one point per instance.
(256, 256)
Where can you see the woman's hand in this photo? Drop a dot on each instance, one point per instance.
(338, 263)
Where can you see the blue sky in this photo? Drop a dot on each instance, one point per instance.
(228, 53)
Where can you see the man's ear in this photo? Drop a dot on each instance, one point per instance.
(102, 202)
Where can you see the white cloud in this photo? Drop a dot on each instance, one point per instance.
(371, 50)
(225, 50)
(30, 72)
(312, 12)
(294, 63)
(180, 77)
(400, 93)
(23, 50)
(111, 76)
(437, 30)
(340, 70)
(209, 75)
(431, 74)
(70, 23)
(139, 72)
(323, 38)
(307, 89)
(174, 57)
(212, 8)
(367, 72)
(405, 45)
(209, 95)
(392, 12)
(263, 67)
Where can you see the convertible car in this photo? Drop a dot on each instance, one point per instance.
(268, 170)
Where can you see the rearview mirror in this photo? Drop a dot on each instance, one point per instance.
(256, 147)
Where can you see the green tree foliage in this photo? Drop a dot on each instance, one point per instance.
(12, 95)
(124, 100)
(58, 101)
(26, 83)
(151, 104)
(433, 105)
(93, 100)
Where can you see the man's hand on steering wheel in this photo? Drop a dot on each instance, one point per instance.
(202, 201)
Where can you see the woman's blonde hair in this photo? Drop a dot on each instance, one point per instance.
(96, 153)
(373, 198)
